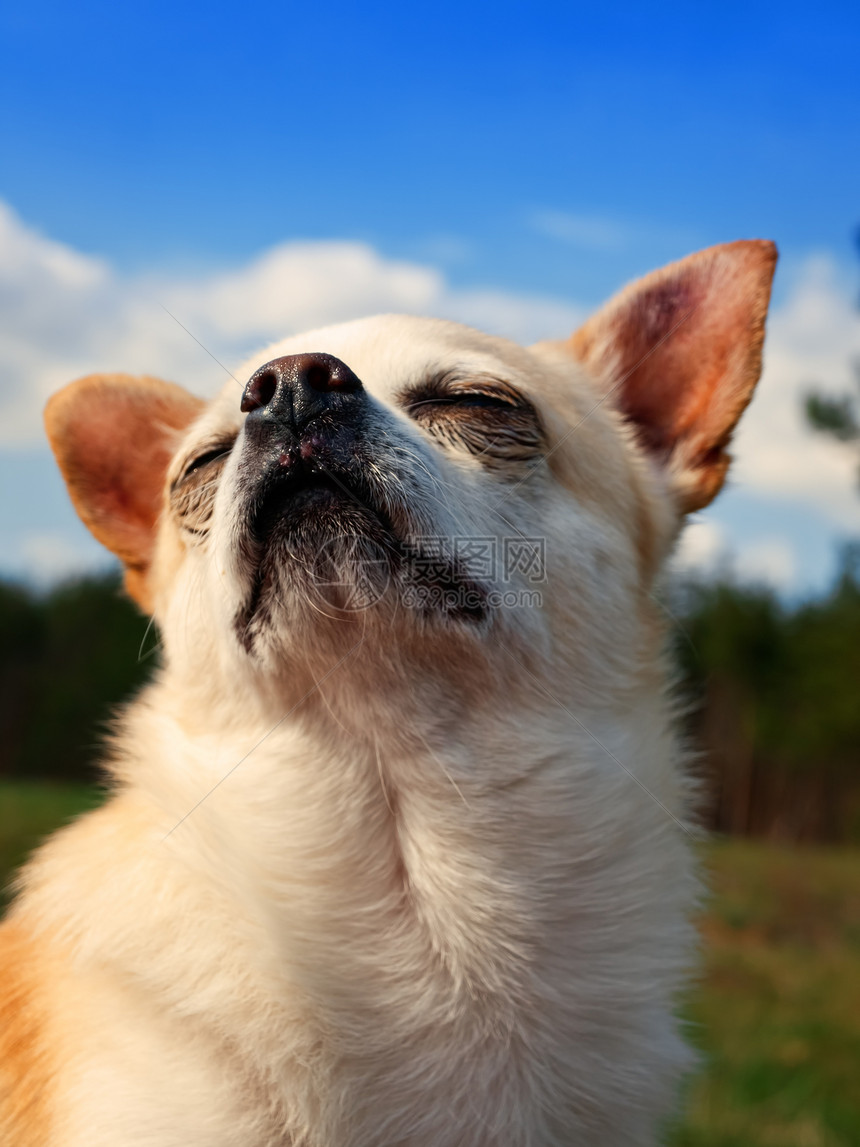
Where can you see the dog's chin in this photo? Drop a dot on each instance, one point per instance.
(321, 549)
(318, 504)
(323, 554)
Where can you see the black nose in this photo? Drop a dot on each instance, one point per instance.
(298, 387)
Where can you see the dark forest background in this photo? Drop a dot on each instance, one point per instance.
(774, 694)
(771, 692)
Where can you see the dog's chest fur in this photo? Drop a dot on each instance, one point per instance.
(383, 965)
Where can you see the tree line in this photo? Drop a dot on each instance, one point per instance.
(773, 706)
(769, 691)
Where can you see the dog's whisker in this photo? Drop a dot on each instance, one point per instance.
(199, 343)
(382, 782)
(146, 632)
(444, 769)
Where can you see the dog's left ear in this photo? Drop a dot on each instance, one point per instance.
(679, 354)
(114, 436)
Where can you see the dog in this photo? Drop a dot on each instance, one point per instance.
(398, 851)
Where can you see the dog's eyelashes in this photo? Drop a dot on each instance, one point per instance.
(192, 493)
(493, 421)
(205, 459)
(463, 399)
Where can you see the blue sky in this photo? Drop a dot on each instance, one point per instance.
(540, 151)
(172, 132)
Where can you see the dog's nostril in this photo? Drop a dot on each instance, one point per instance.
(259, 392)
(265, 389)
(319, 377)
(325, 373)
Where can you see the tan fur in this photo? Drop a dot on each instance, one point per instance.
(116, 479)
(27, 1060)
(378, 877)
(683, 347)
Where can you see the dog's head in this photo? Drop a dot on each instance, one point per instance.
(414, 480)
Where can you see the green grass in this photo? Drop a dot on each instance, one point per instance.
(28, 812)
(776, 1013)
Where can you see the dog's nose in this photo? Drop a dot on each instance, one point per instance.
(298, 387)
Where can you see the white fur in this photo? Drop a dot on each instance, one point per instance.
(438, 892)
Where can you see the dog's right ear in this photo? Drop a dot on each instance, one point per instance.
(678, 354)
(113, 436)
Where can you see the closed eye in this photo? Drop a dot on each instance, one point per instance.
(192, 494)
(475, 399)
(205, 459)
(486, 417)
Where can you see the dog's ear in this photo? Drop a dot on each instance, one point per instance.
(113, 436)
(679, 354)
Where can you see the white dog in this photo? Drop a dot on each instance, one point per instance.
(396, 852)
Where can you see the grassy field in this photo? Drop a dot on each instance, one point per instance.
(30, 811)
(776, 1013)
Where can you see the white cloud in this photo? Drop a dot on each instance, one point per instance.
(302, 285)
(703, 546)
(811, 341)
(592, 232)
(706, 548)
(771, 560)
(606, 235)
(64, 314)
(47, 556)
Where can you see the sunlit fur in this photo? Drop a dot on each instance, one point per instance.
(382, 879)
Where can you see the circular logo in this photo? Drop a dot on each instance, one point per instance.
(350, 573)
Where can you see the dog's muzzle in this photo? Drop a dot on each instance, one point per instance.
(311, 520)
(315, 517)
(305, 436)
(290, 397)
